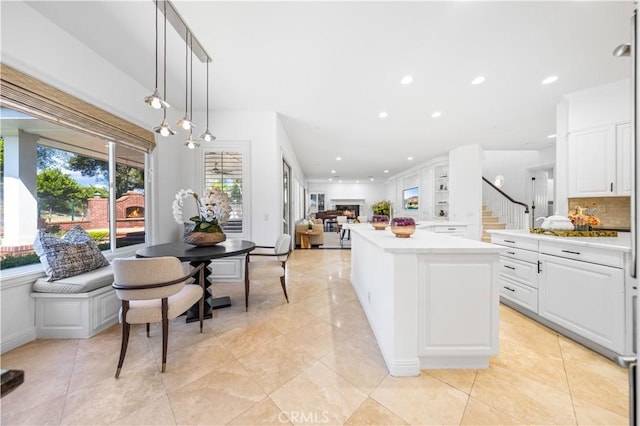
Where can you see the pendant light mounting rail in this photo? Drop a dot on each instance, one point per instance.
(182, 29)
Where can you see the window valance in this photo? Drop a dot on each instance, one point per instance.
(26, 94)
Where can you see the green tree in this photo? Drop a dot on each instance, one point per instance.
(55, 191)
(51, 158)
(128, 178)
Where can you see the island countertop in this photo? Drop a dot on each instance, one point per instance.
(620, 243)
(422, 241)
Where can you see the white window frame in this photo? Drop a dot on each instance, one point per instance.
(244, 148)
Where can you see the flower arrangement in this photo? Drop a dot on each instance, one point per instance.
(584, 218)
(310, 224)
(214, 210)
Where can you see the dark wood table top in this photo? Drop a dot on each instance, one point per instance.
(188, 252)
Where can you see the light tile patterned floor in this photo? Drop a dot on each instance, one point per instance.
(312, 361)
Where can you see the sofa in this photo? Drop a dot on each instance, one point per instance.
(315, 240)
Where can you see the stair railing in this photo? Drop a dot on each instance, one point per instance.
(514, 214)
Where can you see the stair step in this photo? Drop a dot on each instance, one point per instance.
(487, 219)
(486, 239)
(497, 225)
(487, 213)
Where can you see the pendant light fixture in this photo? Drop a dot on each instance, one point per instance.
(191, 143)
(186, 122)
(207, 136)
(164, 128)
(154, 100)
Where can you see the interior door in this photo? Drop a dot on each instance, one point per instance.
(286, 198)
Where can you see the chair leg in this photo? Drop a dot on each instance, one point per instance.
(147, 329)
(165, 331)
(125, 336)
(246, 284)
(284, 288)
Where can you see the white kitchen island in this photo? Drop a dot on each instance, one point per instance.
(431, 300)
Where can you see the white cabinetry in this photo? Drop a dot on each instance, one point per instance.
(519, 271)
(585, 298)
(576, 289)
(441, 191)
(600, 161)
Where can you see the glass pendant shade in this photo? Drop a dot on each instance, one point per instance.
(207, 136)
(191, 143)
(155, 101)
(186, 123)
(164, 129)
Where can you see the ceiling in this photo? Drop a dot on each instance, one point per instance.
(330, 68)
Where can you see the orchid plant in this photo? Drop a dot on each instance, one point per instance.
(214, 210)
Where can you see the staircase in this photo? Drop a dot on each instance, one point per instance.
(489, 221)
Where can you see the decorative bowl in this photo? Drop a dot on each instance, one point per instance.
(204, 238)
(379, 221)
(403, 227)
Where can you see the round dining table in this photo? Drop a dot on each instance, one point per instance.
(196, 255)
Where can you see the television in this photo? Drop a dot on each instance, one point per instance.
(410, 198)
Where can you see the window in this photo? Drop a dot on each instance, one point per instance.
(54, 179)
(225, 170)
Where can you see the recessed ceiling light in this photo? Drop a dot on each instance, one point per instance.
(550, 79)
(407, 79)
(371, 179)
(333, 171)
(338, 158)
(436, 114)
(478, 80)
(330, 178)
(386, 171)
(409, 158)
(340, 181)
(383, 115)
(551, 136)
(357, 181)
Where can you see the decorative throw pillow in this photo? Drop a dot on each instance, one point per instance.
(70, 255)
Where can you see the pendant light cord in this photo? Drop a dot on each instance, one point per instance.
(191, 83)
(156, 44)
(164, 73)
(207, 94)
(186, 73)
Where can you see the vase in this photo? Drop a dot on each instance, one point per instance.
(204, 238)
(403, 227)
(379, 221)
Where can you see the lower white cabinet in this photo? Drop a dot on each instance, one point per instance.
(585, 298)
(517, 292)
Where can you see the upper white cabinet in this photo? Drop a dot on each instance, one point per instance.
(600, 161)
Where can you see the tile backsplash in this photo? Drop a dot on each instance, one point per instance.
(614, 212)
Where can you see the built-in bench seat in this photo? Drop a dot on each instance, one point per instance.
(75, 307)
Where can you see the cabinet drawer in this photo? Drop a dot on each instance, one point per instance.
(523, 255)
(450, 229)
(527, 272)
(585, 254)
(518, 293)
(518, 242)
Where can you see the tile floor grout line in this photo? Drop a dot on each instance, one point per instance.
(566, 376)
(66, 394)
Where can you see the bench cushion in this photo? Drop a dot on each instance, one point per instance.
(82, 283)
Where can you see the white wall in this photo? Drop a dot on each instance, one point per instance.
(465, 172)
(370, 192)
(513, 165)
(597, 106)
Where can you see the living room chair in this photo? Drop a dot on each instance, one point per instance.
(274, 267)
(154, 290)
(341, 220)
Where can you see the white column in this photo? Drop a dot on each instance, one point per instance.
(20, 194)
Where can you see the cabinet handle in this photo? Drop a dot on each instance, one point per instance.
(509, 288)
(509, 241)
(451, 229)
(611, 187)
(511, 253)
(539, 266)
(569, 251)
(510, 267)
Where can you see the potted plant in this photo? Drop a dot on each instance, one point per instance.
(381, 207)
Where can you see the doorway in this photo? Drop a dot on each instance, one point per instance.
(541, 192)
